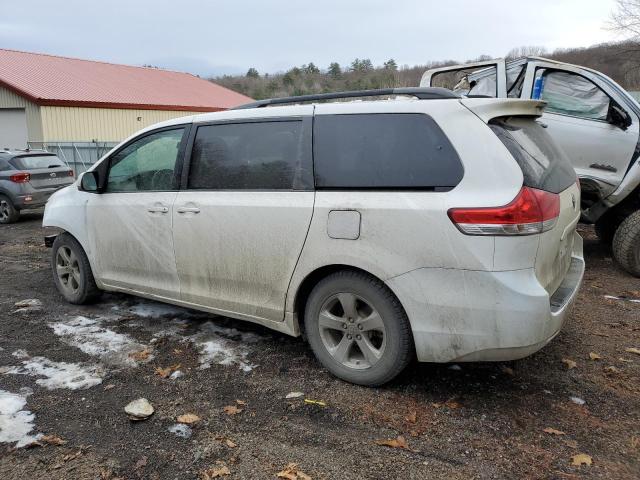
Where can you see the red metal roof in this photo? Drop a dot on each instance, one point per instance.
(51, 80)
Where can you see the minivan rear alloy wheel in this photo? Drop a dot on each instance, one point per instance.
(357, 328)
(71, 271)
(8, 213)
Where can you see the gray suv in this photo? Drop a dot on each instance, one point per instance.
(27, 180)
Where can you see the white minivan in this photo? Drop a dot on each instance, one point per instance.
(423, 225)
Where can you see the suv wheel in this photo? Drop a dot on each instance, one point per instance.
(71, 271)
(8, 213)
(357, 328)
(626, 244)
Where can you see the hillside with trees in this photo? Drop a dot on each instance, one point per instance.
(620, 61)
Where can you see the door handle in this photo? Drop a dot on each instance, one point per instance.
(188, 210)
(158, 209)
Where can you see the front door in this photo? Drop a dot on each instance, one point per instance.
(241, 222)
(129, 223)
(576, 117)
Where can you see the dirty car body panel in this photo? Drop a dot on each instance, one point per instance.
(249, 252)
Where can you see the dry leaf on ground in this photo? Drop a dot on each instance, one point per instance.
(321, 403)
(52, 440)
(230, 443)
(508, 371)
(166, 372)
(141, 355)
(241, 402)
(569, 363)
(216, 472)
(291, 472)
(581, 459)
(412, 417)
(594, 356)
(232, 410)
(188, 418)
(398, 442)
(553, 431)
(633, 350)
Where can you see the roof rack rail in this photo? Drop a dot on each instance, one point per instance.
(423, 93)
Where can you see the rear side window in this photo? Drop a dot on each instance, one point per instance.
(246, 156)
(544, 166)
(378, 151)
(34, 162)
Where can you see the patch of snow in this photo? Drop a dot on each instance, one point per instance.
(223, 346)
(221, 352)
(176, 374)
(578, 400)
(16, 424)
(181, 430)
(59, 374)
(156, 310)
(20, 353)
(90, 336)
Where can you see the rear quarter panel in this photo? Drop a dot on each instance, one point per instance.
(405, 230)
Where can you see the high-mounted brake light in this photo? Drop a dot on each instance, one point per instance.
(532, 211)
(22, 177)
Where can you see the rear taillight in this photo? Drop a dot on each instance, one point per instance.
(532, 211)
(71, 173)
(22, 177)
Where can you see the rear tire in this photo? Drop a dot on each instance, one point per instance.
(72, 272)
(8, 212)
(358, 329)
(626, 244)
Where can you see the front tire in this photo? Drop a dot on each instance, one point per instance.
(8, 212)
(626, 244)
(358, 329)
(72, 272)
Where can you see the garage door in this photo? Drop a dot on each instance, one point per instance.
(13, 128)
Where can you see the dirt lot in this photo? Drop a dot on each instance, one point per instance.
(75, 368)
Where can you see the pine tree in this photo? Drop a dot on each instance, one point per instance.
(253, 73)
(334, 70)
(390, 65)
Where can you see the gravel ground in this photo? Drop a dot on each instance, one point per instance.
(67, 372)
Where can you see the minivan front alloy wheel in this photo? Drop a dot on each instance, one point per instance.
(357, 328)
(71, 270)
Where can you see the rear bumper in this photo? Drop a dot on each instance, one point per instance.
(463, 315)
(34, 198)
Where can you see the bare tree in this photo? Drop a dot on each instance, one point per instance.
(527, 51)
(626, 18)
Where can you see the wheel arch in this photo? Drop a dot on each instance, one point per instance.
(305, 287)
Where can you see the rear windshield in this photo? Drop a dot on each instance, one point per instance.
(34, 162)
(544, 166)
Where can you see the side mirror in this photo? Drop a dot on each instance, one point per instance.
(89, 182)
(618, 116)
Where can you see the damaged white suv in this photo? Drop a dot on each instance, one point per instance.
(591, 118)
(430, 226)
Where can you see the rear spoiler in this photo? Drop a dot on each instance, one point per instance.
(489, 108)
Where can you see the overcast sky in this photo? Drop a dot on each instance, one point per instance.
(211, 37)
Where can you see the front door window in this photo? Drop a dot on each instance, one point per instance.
(147, 164)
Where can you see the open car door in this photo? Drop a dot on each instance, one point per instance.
(484, 79)
(580, 114)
